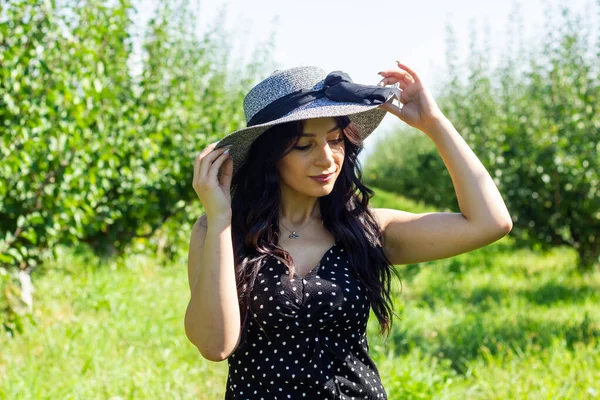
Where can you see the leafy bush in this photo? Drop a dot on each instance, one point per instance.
(534, 124)
(91, 152)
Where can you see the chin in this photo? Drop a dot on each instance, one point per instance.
(323, 188)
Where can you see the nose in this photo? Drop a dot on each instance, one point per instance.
(325, 155)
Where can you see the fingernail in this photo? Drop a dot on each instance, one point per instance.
(226, 151)
(380, 72)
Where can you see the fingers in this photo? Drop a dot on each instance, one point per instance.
(391, 108)
(412, 73)
(227, 173)
(390, 80)
(200, 157)
(208, 160)
(216, 166)
(204, 161)
(207, 149)
(404, 75)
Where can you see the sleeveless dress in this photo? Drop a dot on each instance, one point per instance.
(306, 337)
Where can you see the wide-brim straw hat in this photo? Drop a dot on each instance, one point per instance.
(294, 88)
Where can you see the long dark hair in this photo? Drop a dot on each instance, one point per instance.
(255, 217)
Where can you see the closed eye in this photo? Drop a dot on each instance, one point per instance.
(302, 148)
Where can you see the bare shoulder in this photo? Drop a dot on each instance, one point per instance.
(385, 215)
(379, 217)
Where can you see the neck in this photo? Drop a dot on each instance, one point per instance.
(298, 210)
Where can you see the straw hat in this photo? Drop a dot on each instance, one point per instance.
(302, 93)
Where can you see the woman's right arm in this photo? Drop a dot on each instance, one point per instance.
(212, 318)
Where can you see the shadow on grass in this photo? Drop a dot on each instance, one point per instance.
(464, 341)
(549, 293)
(555, 292)
(484, 297)
(482, 259)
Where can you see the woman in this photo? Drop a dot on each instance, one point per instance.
(285, 266)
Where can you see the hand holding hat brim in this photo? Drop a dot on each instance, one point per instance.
(419, 108)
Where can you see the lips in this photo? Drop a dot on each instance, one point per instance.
(323, 179)
(322, 176)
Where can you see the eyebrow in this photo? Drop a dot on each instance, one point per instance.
(335, 128)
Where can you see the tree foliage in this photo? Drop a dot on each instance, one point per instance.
(533, 122)
(92, 152)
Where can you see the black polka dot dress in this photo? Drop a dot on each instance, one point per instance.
(306, 337)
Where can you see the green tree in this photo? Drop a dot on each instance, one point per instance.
(92, 153)
(534, 124)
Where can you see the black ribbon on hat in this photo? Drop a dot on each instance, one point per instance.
(338, 86)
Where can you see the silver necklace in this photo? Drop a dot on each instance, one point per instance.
(294, 234)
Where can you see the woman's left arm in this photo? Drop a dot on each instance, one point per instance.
(412, 238)
(478, 197)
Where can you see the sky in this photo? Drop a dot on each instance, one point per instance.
(363, 37)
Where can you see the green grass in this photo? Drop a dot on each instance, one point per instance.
(496, 323)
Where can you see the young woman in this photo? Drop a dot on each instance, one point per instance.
(289, 259)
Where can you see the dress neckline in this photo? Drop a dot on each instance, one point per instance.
(315, 269)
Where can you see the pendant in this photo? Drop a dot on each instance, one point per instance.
(294, 235)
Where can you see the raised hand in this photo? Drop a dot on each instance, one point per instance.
(419, 109)
(214, 195)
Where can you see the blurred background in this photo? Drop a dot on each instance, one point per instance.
(105, 104)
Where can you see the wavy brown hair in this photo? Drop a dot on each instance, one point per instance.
(255, 205)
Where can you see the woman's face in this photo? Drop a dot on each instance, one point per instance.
(319, 151)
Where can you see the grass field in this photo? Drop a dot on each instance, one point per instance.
(496, 323)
